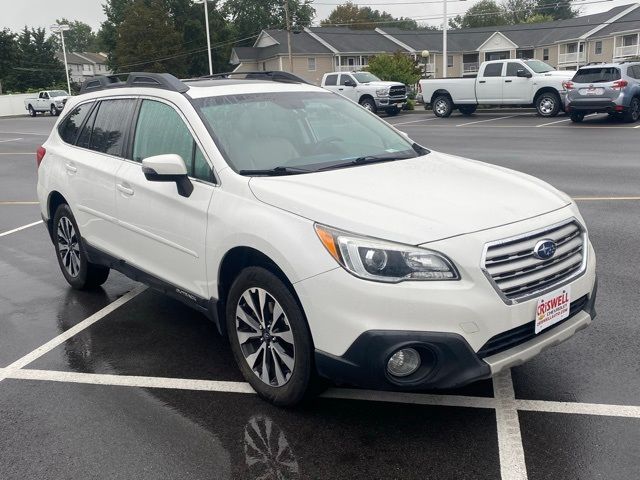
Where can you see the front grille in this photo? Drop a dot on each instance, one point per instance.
(397, 91)
(517, 274)
(511, 338)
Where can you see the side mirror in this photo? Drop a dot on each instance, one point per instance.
(523, 73)
(168, 168)
(349, 83)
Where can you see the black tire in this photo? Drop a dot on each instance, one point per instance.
(392, 112)
(577, 117)
(32, 112)
(301, 377)
(632, 114)
(548, 104)
(54, 111)
(76, 268)
(442, 106)
(368, 104)
(467, 109)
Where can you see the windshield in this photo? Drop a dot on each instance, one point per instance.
(596, 75)
(307, 131)
(365, 77)
(58, 93)
(539, 67)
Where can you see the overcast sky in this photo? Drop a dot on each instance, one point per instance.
(15, 14)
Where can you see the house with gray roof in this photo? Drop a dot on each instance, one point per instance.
(83, 65)
(608, 36)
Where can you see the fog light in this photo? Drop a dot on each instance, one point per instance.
(404, 362)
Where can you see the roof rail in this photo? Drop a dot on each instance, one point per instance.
(165, 81)
(273, 75)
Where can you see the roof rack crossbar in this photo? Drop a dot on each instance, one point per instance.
(273, 75)
(165, 81)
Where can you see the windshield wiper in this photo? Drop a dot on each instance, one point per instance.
(365, 160)
(275, 171)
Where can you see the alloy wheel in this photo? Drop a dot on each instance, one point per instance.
(265, 337)
(547, 105)
(68, 246)
(441, 107)
(367, 106)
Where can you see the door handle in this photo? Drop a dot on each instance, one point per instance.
(341, 89)
(508, 81)
(482, 81)
(71, 169)
(124, 189)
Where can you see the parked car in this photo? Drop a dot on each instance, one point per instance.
(513, 82)
(52, 101)
(613, 88)
(322, 241)
(367, 90)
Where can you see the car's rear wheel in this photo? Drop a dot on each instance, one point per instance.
(548, 104)
(53, 111)
(76, 268)
(368, 104)
(633, 113)
(467, 109)
(32, 111)
(577, 117)
(269, 337)
(393, 111)
(442, 106)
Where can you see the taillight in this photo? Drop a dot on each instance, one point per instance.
(568, 85)
(619, 84)
(419, 88)
(40, 155)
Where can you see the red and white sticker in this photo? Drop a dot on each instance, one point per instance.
(553, 308)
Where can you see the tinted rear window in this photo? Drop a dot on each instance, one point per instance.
(493, 70)
(110, 124)
(331, 80)
(70, 127)
(597, 75)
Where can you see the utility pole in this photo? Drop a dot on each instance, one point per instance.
(445, 61)
(206, 22)
(288, 20)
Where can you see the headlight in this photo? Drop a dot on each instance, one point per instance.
(383, 261)
(382, 92)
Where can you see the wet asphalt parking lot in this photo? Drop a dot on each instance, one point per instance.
(126, 383)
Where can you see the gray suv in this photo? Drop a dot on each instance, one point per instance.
(613, 88)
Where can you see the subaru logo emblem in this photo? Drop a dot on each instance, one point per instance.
(544, 249)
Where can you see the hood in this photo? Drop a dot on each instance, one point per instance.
(412, 201)
(560, 73)
(384, 84)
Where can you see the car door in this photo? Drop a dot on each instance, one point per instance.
(348, 91)
(90, 169)
(165, 233)
(489, 84)
(43, 101)
(331, 82)
(516, 90)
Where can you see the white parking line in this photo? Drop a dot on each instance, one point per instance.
(10, 140)
(25, 133)
(17, 153)
(600, 199)
(510, 448)
(486, 120)
(552, 123)
(628, 411)
(414, 121)
(4, 234)
(19, 202)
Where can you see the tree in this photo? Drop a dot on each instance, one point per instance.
(115, 11)
(79, 38)
(398, 67)
(486, 13)
(365, 18)
(8, 55)
(249, 17)
(556, 9)
(539, 18)
(518, 11)
(148, 40)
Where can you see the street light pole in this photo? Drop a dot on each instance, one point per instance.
(206, 23)
(288, 20)
(61, 29)
(445, 63)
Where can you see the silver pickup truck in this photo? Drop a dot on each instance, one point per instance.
(499, 82)
(52, 101)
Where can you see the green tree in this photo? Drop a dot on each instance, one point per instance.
(486, 13)
(79, 38)
(248, 17)
(518, 11)
(148, 40)
(365, 18)
(115, 11)
(556, 9)
(398, 67)
(539, 18)
(8, 55)
(35, 63)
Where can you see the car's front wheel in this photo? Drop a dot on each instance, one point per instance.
(269, 337)
(633, 113)
(76, 268)
(368, 104)
(548, 104)
(54, 111)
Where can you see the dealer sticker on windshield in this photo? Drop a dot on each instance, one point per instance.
(553, 308)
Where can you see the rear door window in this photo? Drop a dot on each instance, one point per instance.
(493, 70)
(597, 75)
(70, 126)
(110, 126)
(331, 80)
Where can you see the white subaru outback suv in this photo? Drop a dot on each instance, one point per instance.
(319, 239)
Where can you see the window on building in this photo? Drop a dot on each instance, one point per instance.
(545, 54)
(493, 69)
(311, 64)
(161, 130)
(331, 80)
(526, 54)
(449, 61)
(598, 48)
(629, 40)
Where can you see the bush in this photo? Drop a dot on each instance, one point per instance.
(398, 67)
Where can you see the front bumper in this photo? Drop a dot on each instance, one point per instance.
(388, 102)
(448, 361)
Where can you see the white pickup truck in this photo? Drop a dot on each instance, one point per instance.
(499, 82)
(367, 90)
(52, 101)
